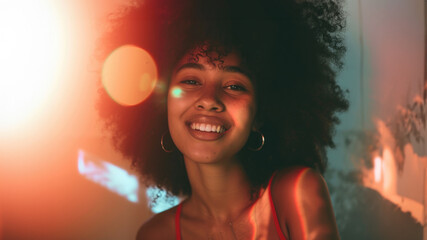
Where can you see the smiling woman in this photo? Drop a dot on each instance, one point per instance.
(212, 119)
(248, 111)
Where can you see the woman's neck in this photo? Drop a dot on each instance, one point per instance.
(220, 191)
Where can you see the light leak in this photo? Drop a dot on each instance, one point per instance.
(176, 92)
(109, 176)
(31, 50)
(159, 200)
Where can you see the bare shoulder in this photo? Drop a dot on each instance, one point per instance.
(160, 226)
(294, 183)
(303, 204)
(301, 179)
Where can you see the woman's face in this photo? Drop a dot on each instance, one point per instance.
(211, 108)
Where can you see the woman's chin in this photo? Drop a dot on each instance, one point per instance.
(207, 156)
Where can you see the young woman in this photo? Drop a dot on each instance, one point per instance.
(243, 123)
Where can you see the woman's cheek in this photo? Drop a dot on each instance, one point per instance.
(244, 113)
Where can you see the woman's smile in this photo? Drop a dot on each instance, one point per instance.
(212, 116)
(207, 128)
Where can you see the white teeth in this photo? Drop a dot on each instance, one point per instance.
(207, 127)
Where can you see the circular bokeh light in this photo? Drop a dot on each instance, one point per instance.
(129, 75)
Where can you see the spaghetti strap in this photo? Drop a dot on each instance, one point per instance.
(177, 224)
(273, 210)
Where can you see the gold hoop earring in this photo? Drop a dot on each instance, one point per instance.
(162, 144)
(262, 142)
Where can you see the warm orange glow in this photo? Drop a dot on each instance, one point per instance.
(252, 221)
(30, 53)
(1, 227)
(129, 75)
(398, 188)
(260, 216)
(377, 169)
(390, 172)
(299, 201)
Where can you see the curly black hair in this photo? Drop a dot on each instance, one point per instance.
(293, 49)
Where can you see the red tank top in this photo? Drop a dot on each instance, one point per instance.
(273, 210)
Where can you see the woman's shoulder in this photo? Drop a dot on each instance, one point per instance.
(291, 178)
(303, 205)
(294, 185)
(159, 226)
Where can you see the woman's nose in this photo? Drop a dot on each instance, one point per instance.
(210, 100)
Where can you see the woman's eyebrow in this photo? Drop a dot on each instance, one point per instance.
(236, 69)
(190, 65)
(198, 66)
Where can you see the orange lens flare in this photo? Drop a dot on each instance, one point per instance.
(129, 75)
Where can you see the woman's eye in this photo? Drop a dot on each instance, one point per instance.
(190, 82)
(235, 88)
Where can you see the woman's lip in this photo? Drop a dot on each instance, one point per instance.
(205, 136)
